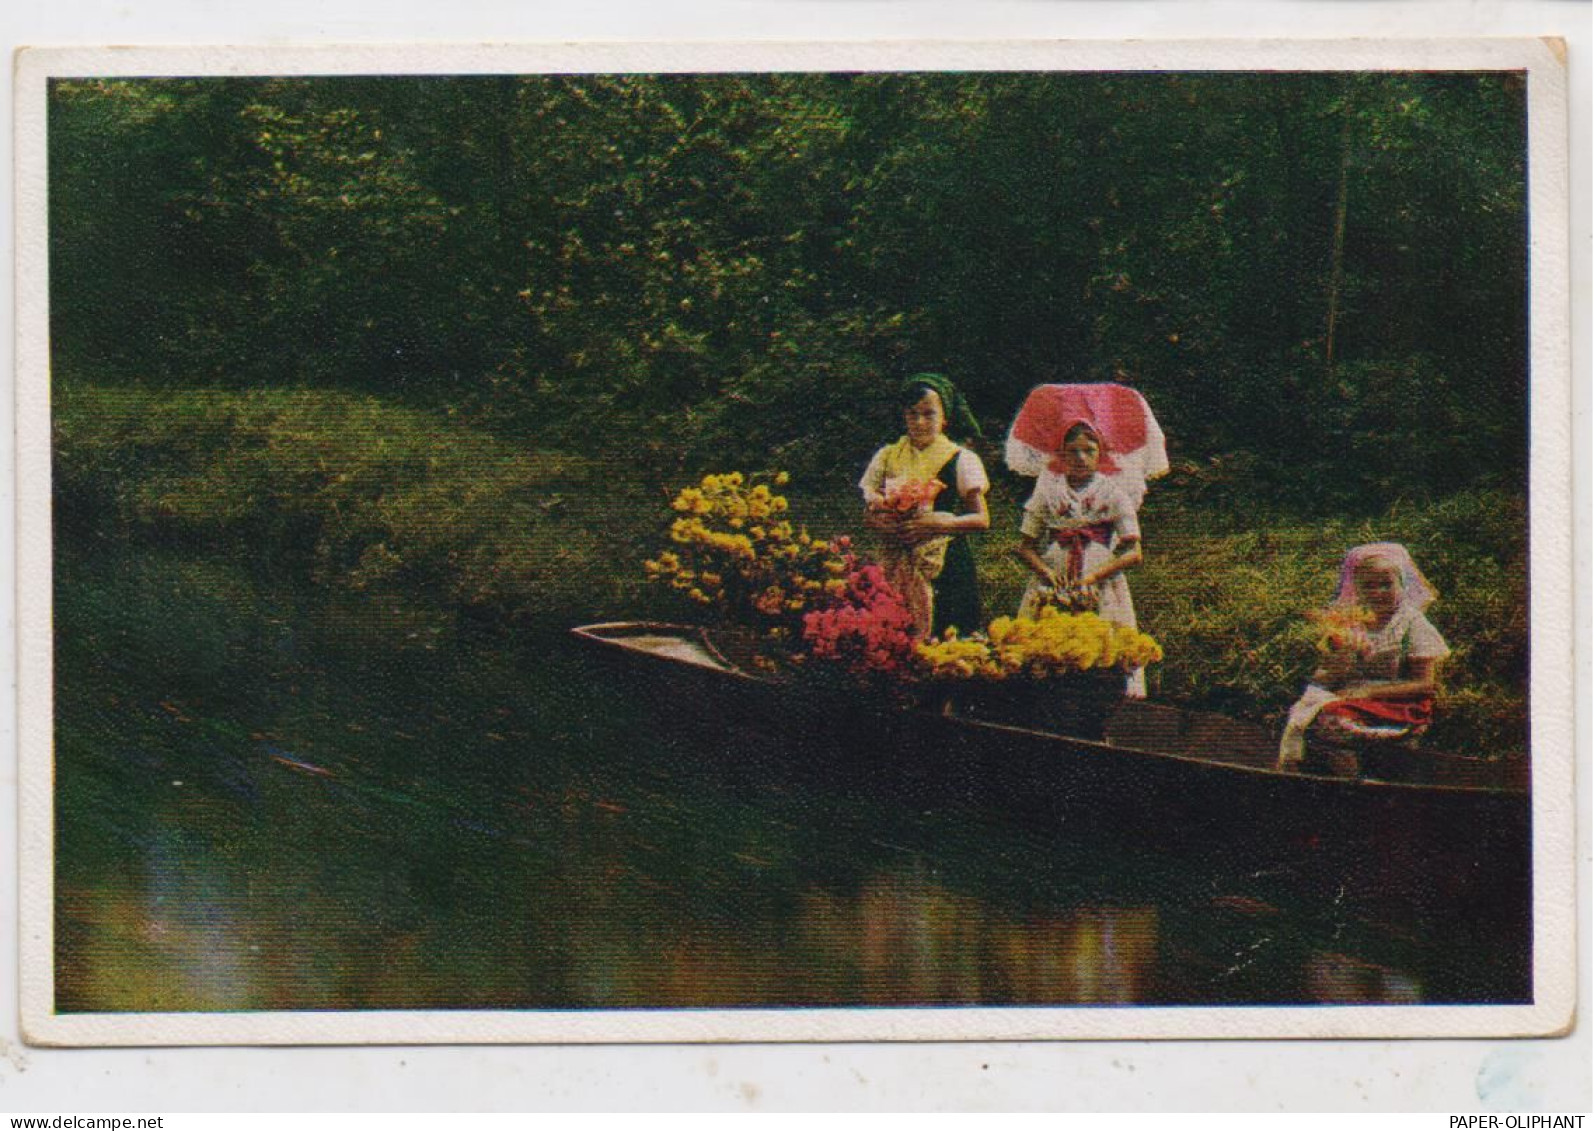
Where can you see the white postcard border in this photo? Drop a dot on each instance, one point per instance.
(1551, 526)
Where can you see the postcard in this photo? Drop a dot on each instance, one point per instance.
(795, 542)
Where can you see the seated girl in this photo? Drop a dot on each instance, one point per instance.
(1381, 668)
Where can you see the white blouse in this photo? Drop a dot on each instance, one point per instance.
(1408, 636)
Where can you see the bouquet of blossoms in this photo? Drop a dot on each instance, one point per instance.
(1070, 599)
(910, 569)
(735, 549)
(908, 497)
(1341, 628)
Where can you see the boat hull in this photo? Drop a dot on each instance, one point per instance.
(1184, 782)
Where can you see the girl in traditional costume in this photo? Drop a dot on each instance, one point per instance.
(922, 494)
(1381, 661)
(1079, 536)
(1091, 449)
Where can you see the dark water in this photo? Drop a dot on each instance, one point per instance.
(271, 799)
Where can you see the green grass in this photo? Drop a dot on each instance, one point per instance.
(365, 496)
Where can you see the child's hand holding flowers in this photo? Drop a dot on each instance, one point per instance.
(910, 522)
(1341, 640)
(910, 497)
(1341, 628)
(903, 511)
(1070, 597)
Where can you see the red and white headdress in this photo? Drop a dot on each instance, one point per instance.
(1133, 449)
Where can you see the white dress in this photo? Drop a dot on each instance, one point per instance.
(1094, 520)
(1103, 516)
(1381, 655)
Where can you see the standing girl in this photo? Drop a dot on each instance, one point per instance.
(1380, 669)
(923, 494)
(1092, 449)
(1079, 534)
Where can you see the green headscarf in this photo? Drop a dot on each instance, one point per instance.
(959, 418)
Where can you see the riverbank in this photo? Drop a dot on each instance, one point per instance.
(366, 498)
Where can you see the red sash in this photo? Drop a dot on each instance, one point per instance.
(1076, 539)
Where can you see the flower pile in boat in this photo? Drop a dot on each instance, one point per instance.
(735, 548)
(1052, 643)
(866, 627)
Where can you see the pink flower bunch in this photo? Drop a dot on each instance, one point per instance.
(867, 627)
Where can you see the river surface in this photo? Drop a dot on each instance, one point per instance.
(269, 798)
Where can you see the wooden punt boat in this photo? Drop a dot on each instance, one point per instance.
(1187, 779)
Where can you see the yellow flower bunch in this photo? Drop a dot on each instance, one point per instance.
(734, 547)
(732, 500)
(1052, 643)
(693, 531)
(955, 658)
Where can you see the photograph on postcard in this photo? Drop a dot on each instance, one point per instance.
(875, 545)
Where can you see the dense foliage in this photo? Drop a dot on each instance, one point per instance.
(1321, 276)
(357, 494)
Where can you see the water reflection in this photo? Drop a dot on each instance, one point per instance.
(170, 933)
(916, 942)
(374, 813)
(1339, 979)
